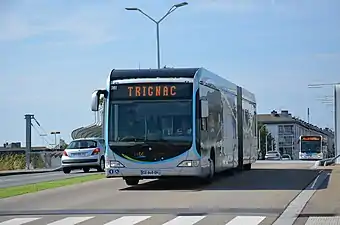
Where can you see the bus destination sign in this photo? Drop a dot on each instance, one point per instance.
(149, 91)
(311, 138)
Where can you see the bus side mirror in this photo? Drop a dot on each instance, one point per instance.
(95, 101)
(204, 109)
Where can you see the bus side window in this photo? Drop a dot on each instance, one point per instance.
(204, 114)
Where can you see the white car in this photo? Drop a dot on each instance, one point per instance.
(273, 155)
(286, 157)
(84, 153)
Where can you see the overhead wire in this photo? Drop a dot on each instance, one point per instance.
(43, 137)
(36, 121)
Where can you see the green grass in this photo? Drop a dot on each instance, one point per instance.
(30, 188)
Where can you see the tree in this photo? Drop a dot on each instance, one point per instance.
(62, 144)
(271, 145)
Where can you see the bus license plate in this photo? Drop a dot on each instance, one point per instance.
(150, 173)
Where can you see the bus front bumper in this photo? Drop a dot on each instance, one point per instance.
(154, 173)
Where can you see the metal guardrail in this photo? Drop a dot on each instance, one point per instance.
(327, 162)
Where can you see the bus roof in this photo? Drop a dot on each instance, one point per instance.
(153, 73)
(122, 74)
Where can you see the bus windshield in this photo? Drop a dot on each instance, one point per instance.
(311, 146)
(151, 121)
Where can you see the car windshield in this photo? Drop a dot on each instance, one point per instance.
(310, 146)
(151, 121)
(81, 144)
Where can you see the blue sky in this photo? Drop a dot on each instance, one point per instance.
(54, 53)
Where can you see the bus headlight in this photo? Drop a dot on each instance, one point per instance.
(189, 163)
(116, 164)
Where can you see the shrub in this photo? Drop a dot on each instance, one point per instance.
(18, 161)
(12, 162)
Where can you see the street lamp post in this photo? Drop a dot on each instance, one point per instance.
(267, 142)
(337, 121)
(55, 137)
(173, 8)
(259, 144)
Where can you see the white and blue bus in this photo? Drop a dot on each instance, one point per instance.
(312, 147)
(175, 122)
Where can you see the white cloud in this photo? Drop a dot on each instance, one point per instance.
(87, 24)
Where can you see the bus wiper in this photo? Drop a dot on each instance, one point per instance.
(132, 139)
(157, 140)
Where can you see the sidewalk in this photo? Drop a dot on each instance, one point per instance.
(18, 172)
(326, 201)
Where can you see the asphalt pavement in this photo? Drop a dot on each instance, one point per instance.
(260, 196)
(23, 179)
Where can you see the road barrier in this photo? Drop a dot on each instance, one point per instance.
(326, 162)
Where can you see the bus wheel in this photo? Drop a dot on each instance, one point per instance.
(131, 181)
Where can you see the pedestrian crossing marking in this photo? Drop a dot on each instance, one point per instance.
(70, 220)
(323, 220)
(179, 220)
(18, 221)
(184, 220)
(128, 220)
(249, 220)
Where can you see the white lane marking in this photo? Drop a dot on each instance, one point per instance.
(246, 220)
(314, 183)
(128, 220)
(184, 220)
(296, 206)
(18, 221)
(323, 220)
(71, 220)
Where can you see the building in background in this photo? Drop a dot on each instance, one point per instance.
(286, 130)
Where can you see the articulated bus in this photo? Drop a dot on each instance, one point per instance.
(312, 147)
(178, 122)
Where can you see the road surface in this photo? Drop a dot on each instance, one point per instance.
(22, 179)
(256, 197)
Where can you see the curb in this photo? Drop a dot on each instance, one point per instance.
(296, 206)
(11, 173)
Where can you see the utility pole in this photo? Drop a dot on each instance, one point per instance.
(308, 115)
(336, 115)
(28, 118)
(337, 121)
(259, 151)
